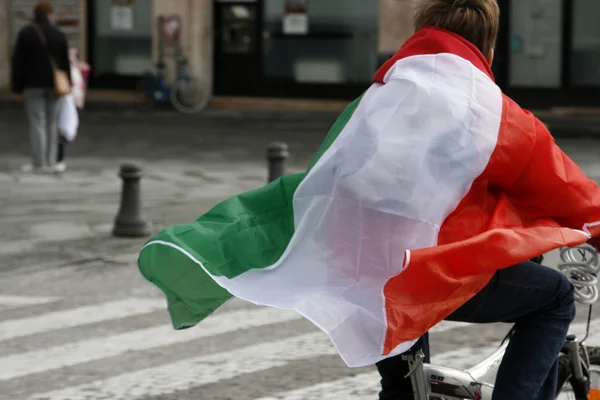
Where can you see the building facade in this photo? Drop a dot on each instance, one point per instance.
(548, 51)
(119, 38)
(14, 14)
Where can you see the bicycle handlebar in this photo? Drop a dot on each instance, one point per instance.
(582, 272)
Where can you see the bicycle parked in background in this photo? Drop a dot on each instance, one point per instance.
(186, 94)
(579, 365)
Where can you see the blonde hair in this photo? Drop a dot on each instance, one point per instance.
(477, 21)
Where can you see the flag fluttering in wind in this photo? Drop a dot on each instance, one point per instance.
(425, 186)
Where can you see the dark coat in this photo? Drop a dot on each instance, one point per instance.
(31, 67)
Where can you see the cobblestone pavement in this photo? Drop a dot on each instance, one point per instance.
(77, 321)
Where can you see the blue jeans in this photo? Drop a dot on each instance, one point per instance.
(539, 301)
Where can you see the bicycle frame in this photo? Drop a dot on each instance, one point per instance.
(430, 381)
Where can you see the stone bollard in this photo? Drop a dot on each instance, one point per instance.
(277, 153)
(129, 221)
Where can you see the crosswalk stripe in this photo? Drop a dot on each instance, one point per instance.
(362, 386)
(97, 313)
(22, 364)
(445, 326)
(78, 316)
(11, 301)
(15, 247)
(127, 386)
(355, 387)
(366, 386)
(198, 371)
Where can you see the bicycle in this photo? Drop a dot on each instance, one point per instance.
(579, 365)
(186, 94)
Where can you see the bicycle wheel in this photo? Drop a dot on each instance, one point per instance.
(565, 373)
(188, 96)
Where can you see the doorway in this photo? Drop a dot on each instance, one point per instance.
(238, 47)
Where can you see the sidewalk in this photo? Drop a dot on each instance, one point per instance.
(68, 218)
(562, 122)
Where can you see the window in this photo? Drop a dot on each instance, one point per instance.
(123, 40)
(585, 56)
(334, 42)
(536, 43)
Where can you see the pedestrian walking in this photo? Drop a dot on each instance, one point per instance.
(40, 77)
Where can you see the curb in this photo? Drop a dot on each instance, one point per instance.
(561, 124)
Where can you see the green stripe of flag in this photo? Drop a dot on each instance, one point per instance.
(248, 231)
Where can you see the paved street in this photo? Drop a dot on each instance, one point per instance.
(77, 321)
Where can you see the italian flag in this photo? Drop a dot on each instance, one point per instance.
(424, 187)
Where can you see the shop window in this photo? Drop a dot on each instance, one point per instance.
(316, 41)
(585, 57)
(123, 37)
(536, 43)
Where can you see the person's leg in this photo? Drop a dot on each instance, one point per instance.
(393, 370)
(36, 114)
(52, 112)
(61, 165)
(62, 143)
(539, 300)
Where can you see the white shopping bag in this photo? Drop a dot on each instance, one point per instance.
(68, 120)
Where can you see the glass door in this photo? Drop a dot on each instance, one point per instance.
(237, 47)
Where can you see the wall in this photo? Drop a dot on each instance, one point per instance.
(201, 35)
(197, 34)
(5, 52)
(67, 15)
(83, 30)
(395, 24)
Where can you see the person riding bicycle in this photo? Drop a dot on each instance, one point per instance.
(423, 203)
(537, 299)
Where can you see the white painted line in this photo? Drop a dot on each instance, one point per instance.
(9, 301)
(445, 326)
(366, 386)
(15, 247)
(79, 316)
(17, 365)
(198, 371)
(358, 387)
